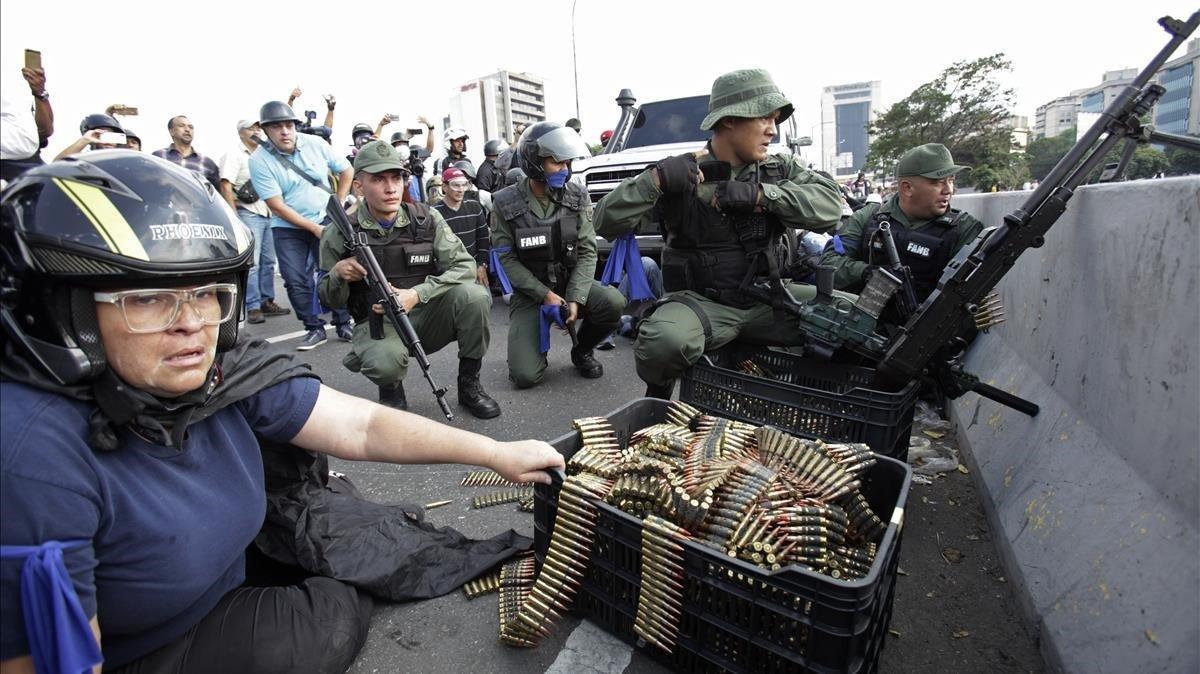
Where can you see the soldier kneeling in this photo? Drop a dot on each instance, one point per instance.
(429, 269)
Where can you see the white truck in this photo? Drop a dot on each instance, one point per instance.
(646, 133)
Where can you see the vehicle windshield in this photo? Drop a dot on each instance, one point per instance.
(674, 121)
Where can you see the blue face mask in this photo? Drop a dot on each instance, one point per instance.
(559, 179)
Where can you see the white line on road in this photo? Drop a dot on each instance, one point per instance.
(285, 337)
(591, 649)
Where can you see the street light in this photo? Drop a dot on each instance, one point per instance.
(574, 60)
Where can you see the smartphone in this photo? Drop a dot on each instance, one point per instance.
(126, 111)
(716, 171)
(393, 117)
(416, 132)
(33, 59)
(113, 138)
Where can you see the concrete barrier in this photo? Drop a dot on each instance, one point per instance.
(1095, 503)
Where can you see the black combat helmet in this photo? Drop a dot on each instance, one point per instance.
(99, 120)
(110, 219)
(277, 111)
(466, 167)
(548, 139)
(493, 147)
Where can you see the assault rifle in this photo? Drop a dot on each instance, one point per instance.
(932, 342)
(381, 293)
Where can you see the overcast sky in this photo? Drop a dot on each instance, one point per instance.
(217, 61)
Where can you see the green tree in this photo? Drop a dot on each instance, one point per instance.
(1043, 153)
(1183, 162)
(964, 108)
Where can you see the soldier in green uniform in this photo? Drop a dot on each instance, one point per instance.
(926, 230)
(718, 229)
(431, 272)
(542, 230)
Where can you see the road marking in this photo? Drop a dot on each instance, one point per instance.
(591, 649)
(285, 337)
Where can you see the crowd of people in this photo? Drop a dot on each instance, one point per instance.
(125, 382)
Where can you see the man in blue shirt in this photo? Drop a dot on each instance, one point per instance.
(131, 473)
(290, 174)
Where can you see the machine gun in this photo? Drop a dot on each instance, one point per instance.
(932, 342)
(381, 293)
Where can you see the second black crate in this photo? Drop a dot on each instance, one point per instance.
(805, 396)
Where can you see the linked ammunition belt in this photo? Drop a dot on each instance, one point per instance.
(754, 493)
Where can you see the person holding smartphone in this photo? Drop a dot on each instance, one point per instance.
(99, 132)
(24, 130)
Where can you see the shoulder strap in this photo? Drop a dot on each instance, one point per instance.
(418, 214)
(288, 163)
(573, 196)
(510, 203)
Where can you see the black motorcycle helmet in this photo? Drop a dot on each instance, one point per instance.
(277, 111)
(493, 147)
(466, 167)
(547, 139)
(99, 120)
(109, 219)
(361, 134)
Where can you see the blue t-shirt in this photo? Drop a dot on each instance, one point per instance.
(168, 527)
(272, 178)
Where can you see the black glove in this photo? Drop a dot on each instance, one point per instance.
(735, 196)
(679, 174)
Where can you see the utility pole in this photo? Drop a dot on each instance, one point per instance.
(574, 59)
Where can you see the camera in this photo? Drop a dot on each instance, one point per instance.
(310, 116)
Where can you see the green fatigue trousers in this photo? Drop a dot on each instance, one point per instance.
(526, 364)
(458, 315)
(672, 338)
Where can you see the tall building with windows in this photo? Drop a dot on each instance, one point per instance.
(1178, 110)
(490, 107)
(846, 111)
(1056, 117)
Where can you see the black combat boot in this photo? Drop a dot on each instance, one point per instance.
(586, 363)
(663, 391)
(470, 392)
(393, 396)
(583, 358)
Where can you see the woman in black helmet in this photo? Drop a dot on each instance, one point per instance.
(131, 478)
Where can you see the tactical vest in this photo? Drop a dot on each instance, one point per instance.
(925, 251)
(548, 247)
(405, 255)
(711, 253)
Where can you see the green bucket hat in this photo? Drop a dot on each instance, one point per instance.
(378, 156)
(931, 160)
(745, 93)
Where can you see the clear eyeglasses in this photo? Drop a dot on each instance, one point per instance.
(156, 309)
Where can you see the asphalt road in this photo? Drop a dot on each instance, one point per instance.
(954, 610)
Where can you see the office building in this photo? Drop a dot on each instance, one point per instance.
(846, 112)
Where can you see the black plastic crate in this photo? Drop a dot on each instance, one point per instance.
(809, 397)
(738, 617)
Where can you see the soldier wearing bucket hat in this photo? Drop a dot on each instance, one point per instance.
(926, 230)
(432, 272)
(723, 211)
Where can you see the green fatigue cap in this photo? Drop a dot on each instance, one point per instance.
(378, 156)
(931, 160)
(745, 93)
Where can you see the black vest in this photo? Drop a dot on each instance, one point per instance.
(405, 255)
(711, 253)
(548, 247)
(925, 251)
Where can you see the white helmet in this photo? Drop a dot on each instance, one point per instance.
(453, 134)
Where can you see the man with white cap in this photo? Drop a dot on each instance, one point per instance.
(239, 193)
